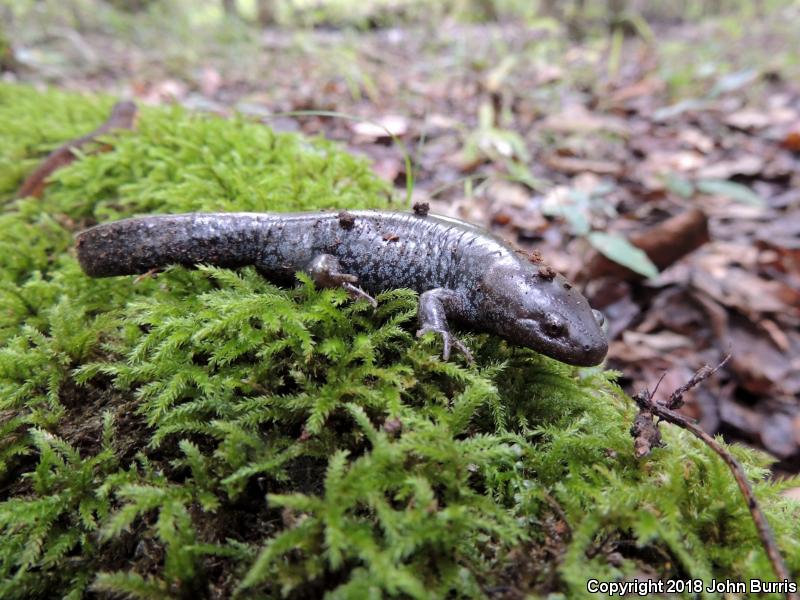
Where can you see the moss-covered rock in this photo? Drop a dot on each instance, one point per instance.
(206, 433)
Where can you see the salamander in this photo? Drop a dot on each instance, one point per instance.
(462, 272)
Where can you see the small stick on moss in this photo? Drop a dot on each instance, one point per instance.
(123, 116)
(646, 436)
(553, 503)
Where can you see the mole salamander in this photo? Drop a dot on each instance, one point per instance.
(462, 272)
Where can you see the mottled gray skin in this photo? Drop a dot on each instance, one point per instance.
(462, 272)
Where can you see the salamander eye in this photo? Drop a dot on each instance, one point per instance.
(554, 325)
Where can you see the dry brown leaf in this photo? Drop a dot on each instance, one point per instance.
(778, 434)
(574, 166)
(748, 164)
(740, 417)
(663, 243)
(776, 334)
(437, 121)
(783, 237)
(696, 139)
(388, 168)
(758, 364)
(681, 161)
(664, 341)
(645, 87)
(729, 209)
(741, 289)
(576, 119)
(718, 256)
(791, 141)
(627, 354)
(748, 119)
(507, 193)
(781, 115)
(381, 128)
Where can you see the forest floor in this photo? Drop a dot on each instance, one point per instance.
(684, 140)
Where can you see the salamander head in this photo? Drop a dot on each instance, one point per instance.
(537, 308)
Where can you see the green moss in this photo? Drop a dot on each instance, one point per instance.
(208, 433)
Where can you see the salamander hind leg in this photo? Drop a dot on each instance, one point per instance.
(326, 272)
(434, 308)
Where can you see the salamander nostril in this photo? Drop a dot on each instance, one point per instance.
(586, 347)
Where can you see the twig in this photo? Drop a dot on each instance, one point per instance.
(647, 436)
(553, 503)
(676, 397)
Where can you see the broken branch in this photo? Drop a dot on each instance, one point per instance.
(647, 436)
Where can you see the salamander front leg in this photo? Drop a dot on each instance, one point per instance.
(326, 272)
(434, 307)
